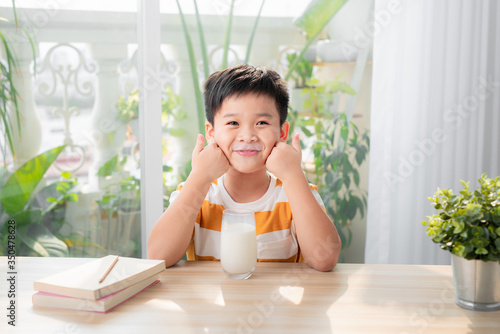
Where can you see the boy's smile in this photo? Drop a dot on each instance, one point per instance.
(246, 128)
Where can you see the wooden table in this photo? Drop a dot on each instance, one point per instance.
(196, 297)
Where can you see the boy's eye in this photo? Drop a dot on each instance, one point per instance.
(262, 123)
(232, 123)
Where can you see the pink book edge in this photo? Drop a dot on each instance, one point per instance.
(104, 298)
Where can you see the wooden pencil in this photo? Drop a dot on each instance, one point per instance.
(109, 269)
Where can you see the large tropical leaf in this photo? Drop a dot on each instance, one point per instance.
(38, 238)
(21, 184)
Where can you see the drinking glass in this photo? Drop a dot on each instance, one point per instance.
(238, 243)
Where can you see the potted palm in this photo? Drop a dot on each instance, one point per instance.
(468, 226)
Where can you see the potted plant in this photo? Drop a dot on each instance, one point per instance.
(338, 150)
(468, 226)
(299, 77)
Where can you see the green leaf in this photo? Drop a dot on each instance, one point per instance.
(481, 251)
(63, 187)
(39, 239)
(347, 182)
(344, 132)
(306, 131)
(307, 105)
(73, 197)
(21, 184)
(109, 167)
(66, 175)
(360, 154)
(359, 204)
(329, 177)
(459, 250)
(355, 176)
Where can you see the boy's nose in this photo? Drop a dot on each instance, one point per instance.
(247, 134)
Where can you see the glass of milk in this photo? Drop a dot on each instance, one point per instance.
(238, 243)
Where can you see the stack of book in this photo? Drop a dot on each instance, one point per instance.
(98, 286)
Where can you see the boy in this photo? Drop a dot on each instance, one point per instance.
(246, 131)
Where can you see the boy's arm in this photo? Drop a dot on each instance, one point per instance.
(318, 238)
(172, 232)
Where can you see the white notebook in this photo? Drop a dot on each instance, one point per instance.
(102, 305)
(83, 281)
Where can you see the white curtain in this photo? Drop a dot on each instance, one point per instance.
(435, 117)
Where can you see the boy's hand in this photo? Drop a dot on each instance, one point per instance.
(209, 161)
(285, 160)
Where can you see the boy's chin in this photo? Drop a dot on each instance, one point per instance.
(247, 169)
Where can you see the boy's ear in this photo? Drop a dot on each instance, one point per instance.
(209, 132)
(284, 131)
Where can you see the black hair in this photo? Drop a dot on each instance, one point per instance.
(245, 79)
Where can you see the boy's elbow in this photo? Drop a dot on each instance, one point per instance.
(326, 259)
(326, 264)
(159, 253)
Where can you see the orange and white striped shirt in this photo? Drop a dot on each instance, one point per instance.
(276, 238)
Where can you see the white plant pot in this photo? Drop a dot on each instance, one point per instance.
(477, 284)
(337, 51)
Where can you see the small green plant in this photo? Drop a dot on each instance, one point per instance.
(128, 108)
(468, 225)
(124, 195)
(320, 96)
(302, 72)
(63, 188)
(60, 193)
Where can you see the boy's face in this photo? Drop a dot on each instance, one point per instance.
(247, 128)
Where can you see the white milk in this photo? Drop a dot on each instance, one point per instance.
(238, 248)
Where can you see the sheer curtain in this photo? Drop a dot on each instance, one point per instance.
(435, 117)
